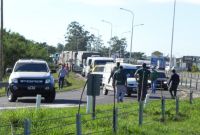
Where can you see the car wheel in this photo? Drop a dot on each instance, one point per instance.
(51, 97)
(105, 91)
(11, 96)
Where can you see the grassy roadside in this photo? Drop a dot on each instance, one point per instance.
(185, 123)
(74, 83)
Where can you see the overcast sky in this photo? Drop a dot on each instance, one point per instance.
(47, 21)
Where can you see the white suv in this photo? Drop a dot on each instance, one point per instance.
(29, 78)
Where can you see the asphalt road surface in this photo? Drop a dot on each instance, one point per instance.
(72, 98)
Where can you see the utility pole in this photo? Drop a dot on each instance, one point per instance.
(172, 39)
(1, 43)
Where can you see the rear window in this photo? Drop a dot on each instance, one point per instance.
(99, 69)
(161, 75)
(31, 67)
(102, 62)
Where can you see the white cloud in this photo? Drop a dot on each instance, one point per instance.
(178, 1)
(101, 2)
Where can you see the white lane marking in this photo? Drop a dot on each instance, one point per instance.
(45, 105)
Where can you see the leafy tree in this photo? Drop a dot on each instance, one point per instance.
(157, 53)
(77, 38)
(97, 44)
(60, 47)
(18, 47)
(104, 51)
(118, 46)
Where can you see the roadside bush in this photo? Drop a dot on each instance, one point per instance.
(195, 68)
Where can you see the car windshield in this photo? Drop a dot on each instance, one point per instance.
(102, 62)
(31, 67)
(98, 69)
(130, 72)
(161, 75)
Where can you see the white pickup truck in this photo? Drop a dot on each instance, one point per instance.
(130, 70)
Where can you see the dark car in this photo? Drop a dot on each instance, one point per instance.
(162, 81)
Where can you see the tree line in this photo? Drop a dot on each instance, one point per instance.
(16, 46)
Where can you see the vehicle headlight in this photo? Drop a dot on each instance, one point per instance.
(165, 82)
(14, 80)
(47, 81)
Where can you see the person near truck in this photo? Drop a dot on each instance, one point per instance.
(173, 83)
(153, 77)
(61, 76)
(142, 75)
(113, 71)
(120, 83)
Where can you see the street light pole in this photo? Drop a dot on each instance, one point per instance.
(1, 43)
(110, 34)
(131, 30)
(120, 50)
(172, 39)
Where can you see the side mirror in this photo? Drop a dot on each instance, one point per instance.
(81, 65)
(53, 71)
(9, 70)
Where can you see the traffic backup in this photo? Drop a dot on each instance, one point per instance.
(29, 78)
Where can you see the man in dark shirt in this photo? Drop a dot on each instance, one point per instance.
(143, 74)
(173, 83)
(120, 83)
(113, 71)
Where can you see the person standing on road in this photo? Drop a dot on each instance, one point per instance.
(113, 71)
(120, 83)
(173, 83)
(61, 76)
(153, 77)
(142, 75)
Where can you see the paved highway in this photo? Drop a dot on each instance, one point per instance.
(72, 98)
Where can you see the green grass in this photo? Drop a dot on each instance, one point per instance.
(185, 123)
(74, 83)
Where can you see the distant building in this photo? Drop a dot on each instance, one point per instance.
(186, 62)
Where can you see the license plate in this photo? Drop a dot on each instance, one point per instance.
(31, 87)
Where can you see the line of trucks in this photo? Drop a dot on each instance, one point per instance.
(84, 61)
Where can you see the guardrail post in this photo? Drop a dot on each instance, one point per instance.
(78, 124)
(115, 119)
(181, 80)
(163, 107)
(177, 105)
(38, 101)
(190, 82)
(27, 127)
(140, 113)
(186, 82)
(197, 84)
(191, 96)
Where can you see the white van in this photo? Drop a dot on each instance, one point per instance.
(130, 70)
(93, 61)
(101, 61)
(86, 67)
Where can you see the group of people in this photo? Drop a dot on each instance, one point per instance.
(142, 76)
